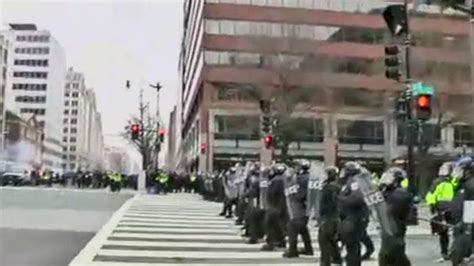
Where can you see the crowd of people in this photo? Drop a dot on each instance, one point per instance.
(275, 204)
(84, 179)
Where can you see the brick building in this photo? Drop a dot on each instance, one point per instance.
(334, 49)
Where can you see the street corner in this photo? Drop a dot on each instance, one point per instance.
(87, 254)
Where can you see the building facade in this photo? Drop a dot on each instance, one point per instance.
(332, 49)
(35, 82)
(82, 126)
(4, 44)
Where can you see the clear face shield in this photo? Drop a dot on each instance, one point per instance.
(458, 172)
(388, 179)
(445, 170)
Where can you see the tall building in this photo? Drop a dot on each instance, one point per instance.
(82, 126)
(333, 49)
(73, 119)
(171, 140)
(3, 79)
(35, 82)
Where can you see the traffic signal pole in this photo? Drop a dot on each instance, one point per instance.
(411, 126)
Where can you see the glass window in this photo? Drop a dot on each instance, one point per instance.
(360, 132)
(240, 127)
(463, 135)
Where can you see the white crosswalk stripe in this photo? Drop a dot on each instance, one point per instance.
(180, 229)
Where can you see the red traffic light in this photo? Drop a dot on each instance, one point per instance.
(135, 128)
(423, 101)
(203, 148)
(162, 131)
(268, 139)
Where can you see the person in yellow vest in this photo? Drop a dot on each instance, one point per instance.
(46, 178)
(439, 198)
(193, 183)
(405, 183)
(375, 178)
(163, 179)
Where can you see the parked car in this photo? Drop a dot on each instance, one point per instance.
(13, 178)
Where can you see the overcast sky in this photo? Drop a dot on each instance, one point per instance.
(111, 41)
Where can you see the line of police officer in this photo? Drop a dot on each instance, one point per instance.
(451, 201)
(277, 201)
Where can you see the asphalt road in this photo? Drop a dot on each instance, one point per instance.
(48, 227)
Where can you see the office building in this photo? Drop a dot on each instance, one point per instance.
(333, 49)
(35, 81)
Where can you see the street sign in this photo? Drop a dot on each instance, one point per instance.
(419, 88)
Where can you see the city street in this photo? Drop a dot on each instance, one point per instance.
(48, 226)
(183, 229)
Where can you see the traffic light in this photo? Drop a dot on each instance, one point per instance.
(392, 62)
(423, 107)
(203, 148)
(135, 129)
(266, 123)
(395, 17)
(268, 140)
(162, 134)
(265, 107)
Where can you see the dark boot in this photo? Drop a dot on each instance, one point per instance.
(288, 254)
(306, 252)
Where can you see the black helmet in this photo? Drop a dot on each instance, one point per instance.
(305, 165)
(255, 168)
(332, 173)
(350, 169)
(279, 168)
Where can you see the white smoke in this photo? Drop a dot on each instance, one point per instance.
(18, 156)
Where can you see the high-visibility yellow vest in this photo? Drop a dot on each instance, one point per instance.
(404, 183)
(444, 191)
(375, 179)
(163, 178)
(193, 178)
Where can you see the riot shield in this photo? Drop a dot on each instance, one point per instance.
(291, 192)
(263, 187)
(317, 174)
(230, 185)
(375, 201)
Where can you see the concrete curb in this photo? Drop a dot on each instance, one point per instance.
(86, 255)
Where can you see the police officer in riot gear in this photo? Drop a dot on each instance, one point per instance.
(329, 219)
(462, 211)
(399, 201)
(364, 236)
(275, 213)
(352, 213)
(230, 192)
(296, 189)
(439, 199)
(252, 194)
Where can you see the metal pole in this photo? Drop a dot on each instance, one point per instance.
(472, 47)
(142, 131)
(410, 126)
